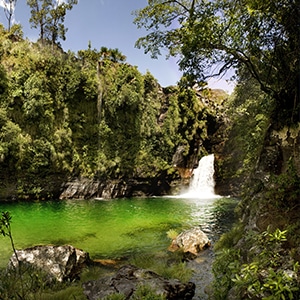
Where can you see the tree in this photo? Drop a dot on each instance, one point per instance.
(5, 230)
(112, 54)
(9, 9)
(56, 28)
(210, 37)
(49, 16)
(39, 15)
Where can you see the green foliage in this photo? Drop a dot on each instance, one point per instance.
(249, 112)
(3, 83)
(68, 293)
(167, 265)
(268, 273)
(225, 266)
(229, 238)
(172, 234)
(115, 297)
(283, 191)
(147, 293)
(5, 230)
(88, 115)
(48, 17)
(35, 284)
(260, 36)
(5, 224)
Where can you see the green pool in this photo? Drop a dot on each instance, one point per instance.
(112, 229)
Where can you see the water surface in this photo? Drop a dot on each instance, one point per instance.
(112, 229)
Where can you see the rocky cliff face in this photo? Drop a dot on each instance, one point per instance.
(267, 233)
(185, 159)
(276, 182)
(281, 147)
(85, 188)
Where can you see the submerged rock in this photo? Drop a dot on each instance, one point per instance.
(60, 262)
(191, 241)
(129, 278)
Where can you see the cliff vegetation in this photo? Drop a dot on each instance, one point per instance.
(67, 116)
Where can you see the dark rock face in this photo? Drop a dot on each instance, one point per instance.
(60, 262)
(184, 165)
(280, 147)
(129, 277)
(89, 189)
(191, 241)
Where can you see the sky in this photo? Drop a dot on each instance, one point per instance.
(109, 23)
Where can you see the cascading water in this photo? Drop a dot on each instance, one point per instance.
(202, 184)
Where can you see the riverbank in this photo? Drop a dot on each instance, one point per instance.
(122, 230)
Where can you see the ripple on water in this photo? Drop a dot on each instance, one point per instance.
(106, 228)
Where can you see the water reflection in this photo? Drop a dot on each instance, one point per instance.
(111, 229)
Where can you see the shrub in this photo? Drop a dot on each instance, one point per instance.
(268, 272)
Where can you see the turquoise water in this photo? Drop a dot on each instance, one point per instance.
(115, 228)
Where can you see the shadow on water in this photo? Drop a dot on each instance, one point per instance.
(121, 228)
(104, 228)
(86, 236)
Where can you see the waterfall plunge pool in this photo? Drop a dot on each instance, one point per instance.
(113, 229)
(121, 228)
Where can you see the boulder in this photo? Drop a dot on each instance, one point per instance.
(191, 241)
(60, 262)
(128, 278)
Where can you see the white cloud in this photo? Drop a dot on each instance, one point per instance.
(2, 3)
(223, 84)
(59, 2)
(5, 4)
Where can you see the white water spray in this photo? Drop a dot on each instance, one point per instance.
(202, 185)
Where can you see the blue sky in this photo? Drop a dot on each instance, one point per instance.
(108, 23)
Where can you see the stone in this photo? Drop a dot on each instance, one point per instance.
(128, 278)
(85, 188)
(60, 262)
(191, 241)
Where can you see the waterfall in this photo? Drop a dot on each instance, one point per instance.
(202, 184)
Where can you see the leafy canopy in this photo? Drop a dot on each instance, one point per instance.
(48, 16)
(210, 37)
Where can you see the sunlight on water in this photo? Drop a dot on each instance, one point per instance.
(111, 229)
(121, 227)
(202, 184)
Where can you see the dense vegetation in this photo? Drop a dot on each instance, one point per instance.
(74, 115)
(259, 258)
(90, 114)
(209, 37)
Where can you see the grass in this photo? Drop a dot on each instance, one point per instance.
(38, 286)
(168, 265)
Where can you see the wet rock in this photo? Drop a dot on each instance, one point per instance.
(190, 241)
(129, 278)
(85, 188)
(60, 262)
